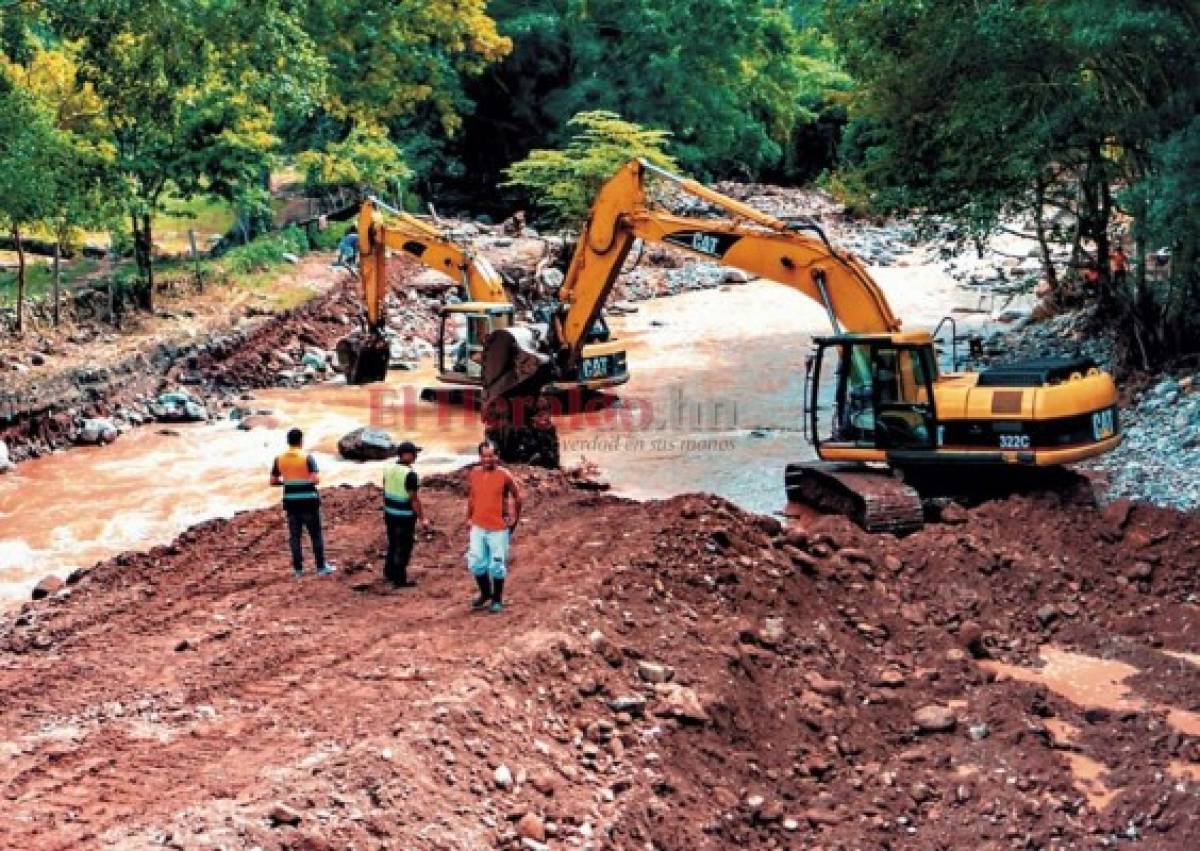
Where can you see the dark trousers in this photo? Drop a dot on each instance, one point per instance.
(400, 534)
(300, 518)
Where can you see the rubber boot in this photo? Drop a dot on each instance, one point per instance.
(497, 596)
(485, 592)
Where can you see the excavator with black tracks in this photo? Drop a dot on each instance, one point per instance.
(890, 429)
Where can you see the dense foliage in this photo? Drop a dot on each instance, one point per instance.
(1079, 113)
(976, 110)
(742, 85)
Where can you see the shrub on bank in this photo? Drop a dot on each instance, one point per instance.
(265, 252)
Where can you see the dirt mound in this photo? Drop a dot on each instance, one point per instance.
(676, 674)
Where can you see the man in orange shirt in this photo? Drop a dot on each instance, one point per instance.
(1118, 265)
(493, 511)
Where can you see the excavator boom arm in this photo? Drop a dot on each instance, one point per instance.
(425, 242)
(748, 239)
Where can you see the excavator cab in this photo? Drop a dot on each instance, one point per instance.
(464, 331)
(871, 393)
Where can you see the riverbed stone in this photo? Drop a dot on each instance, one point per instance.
(97, 431)
(48, 587)
(367, 444)
(935, 719)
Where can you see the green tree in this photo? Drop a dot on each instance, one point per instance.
(393, 66)
(75, 191)
(366, 159)
(31, 150)
(975, 110)
(564, 182)
(190, 92)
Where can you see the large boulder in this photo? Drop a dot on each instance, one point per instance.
(367, 444)
(178, 407)
(97, 431)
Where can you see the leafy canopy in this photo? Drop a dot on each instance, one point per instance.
(564, 182)
(730, 79)
(367, 159)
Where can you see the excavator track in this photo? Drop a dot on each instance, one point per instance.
(875, 500)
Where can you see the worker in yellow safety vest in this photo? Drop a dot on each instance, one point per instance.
(296, 472)
(402, 511)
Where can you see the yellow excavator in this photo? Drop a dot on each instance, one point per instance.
(891, 426)
(487, 313)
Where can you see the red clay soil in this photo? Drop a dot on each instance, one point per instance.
(668, 675)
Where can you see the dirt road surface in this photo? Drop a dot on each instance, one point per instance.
(667, 675)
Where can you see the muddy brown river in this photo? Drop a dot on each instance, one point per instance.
(713, 404)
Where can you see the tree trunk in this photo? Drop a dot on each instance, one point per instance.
(57, 282)
(143, 254)
(1103, 248)
(1039, 221)
(16, 233)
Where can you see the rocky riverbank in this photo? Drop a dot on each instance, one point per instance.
(50, 403)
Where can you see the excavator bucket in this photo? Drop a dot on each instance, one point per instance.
(512, 364)
(363, 358)
(516, 416)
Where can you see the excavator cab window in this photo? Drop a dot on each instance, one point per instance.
(903, 413)
(463, 334)
(599, 332)
(843, 388)
(880, 394)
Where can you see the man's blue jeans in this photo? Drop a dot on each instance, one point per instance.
(487, 554)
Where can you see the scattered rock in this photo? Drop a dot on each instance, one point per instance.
(634, 704)
(820, 817)
(1047, 614)
(253, 421)
(97, 431)
(48, 587)
(282, 814)
(825, 686)
(935, 719)
(654, 673)
(1141, 571)
(502, 777)
(682, 703)
(531, 826)
(544, 782)
(178, 407)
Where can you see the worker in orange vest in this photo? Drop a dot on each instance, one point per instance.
(296, 472)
